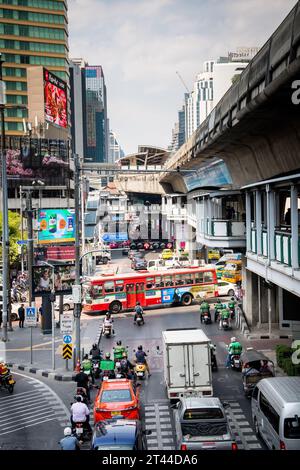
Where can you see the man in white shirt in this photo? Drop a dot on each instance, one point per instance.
(80, 413)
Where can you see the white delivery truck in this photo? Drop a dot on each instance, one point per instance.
(187, 363)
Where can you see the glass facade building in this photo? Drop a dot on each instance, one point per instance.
(32, 32)
(96, 132)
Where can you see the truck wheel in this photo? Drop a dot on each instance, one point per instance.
(186, 299)
(115, 307)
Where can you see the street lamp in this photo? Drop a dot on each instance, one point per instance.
(53, 311)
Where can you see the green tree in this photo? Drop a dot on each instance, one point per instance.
(14, 226)
(235, 78)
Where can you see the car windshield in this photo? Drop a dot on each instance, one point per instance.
(203, 413)
(292, 428)
(114, 396)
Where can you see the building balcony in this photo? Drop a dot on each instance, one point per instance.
(222, 233)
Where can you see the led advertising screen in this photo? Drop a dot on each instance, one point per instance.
(55, 94)
(56, 226)
(42, 276)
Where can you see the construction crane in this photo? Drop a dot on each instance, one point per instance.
(182, 81)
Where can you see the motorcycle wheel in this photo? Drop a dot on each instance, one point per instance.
(10, 388)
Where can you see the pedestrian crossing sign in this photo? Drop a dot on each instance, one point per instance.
(30, 316)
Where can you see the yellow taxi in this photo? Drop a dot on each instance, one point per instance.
(214, 254)
(167, 254)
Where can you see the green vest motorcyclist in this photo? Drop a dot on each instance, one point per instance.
(86, 364)
(218, 306)
(224, 314)
(204, 307)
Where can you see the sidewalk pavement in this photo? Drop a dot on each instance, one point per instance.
(16, 351)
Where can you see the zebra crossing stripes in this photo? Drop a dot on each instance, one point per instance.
(31, 408)
(158, 421)
(241, 428)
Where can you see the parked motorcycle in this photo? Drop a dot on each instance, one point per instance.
(7, 382)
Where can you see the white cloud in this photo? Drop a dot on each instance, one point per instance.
(141, 43)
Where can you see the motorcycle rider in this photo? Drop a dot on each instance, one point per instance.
(119, 349)
(138, 312)
(95, 352)
(204, 308)
(88, 367)
(109, 371)
(218, 307)
(141, 358)
(234, 348)
(80, 414)
(108, 322)
(224, 315)
(4, 370)
(82, 381)
(69, 442)
(126, 366)
(231, 306)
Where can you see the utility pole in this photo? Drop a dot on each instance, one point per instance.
(5, 233)
(30, 242)
(77, 306)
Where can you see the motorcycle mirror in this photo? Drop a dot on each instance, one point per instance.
(157, 347)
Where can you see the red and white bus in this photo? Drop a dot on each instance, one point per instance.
(116, 292)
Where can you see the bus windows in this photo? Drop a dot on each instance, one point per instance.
(119, 286)
(208, 277)
(149, 282)
(159, 281)
(109, 286)
(169, 281)
(96, 292)
(198, 278)
(188, 278)
(179, 279)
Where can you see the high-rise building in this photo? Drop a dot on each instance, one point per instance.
(178, 132)
(96, 132)
(32, 32)
(212, 83)
(115, 150)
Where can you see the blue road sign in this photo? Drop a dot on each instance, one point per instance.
(30, 315)
(67, 339)
(24, 242)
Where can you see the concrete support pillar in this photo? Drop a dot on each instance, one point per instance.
(209, 216)
(294, 227)
(250, 300)
(258, 221)
(272, 222)
(248, 221)
(204, 216)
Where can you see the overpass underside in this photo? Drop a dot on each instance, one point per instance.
(263, 143)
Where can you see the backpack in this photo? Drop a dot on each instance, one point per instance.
(138, 310)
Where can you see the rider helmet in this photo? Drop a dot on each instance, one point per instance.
(107, 355)
(68, 431)
(232, 298)
(140, 348)
(94, 346)
(119, 343)
(138, 303)
(233, 339)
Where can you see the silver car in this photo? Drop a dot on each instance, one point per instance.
(201, 424)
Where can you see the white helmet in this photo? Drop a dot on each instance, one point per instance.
(67, 431)
(233, 339)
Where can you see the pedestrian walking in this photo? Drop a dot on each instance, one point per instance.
(21, 315)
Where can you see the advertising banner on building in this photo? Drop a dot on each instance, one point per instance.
(115, 237)
(56, 226)
(64, 278)
(55, 95)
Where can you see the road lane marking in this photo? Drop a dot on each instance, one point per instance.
(27, 426)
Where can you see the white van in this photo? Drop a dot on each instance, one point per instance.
(275, 408)
(155, 264)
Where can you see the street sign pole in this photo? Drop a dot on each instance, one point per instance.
(31, 345)
(77, 306)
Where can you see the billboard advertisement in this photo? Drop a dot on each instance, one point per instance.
(55, 95)
(56, 226)
(115, 237)
(42, 276)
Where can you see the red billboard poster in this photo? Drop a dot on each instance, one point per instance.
(57, 253)
(55, 94)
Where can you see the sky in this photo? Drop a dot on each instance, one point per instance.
(142, 43)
